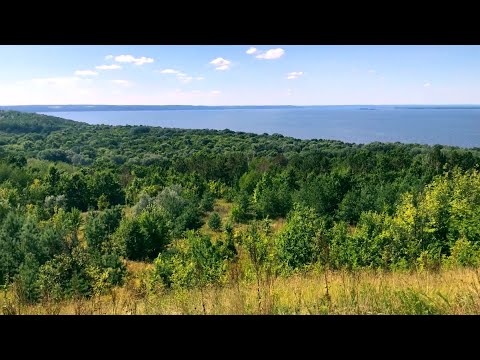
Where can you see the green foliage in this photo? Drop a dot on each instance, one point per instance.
(102, 202)
(144, 236)
(26, 281)
(207, 201)
(16, 160)
(343, 252)
(390, 206)
(9, 199)
(105, 189)
(463, 254)
(194, 261)
(100, 225)
(20, 122)
(429, 260)
(298, 243)
(67, 276)
(260, 247)
(241, 210)
(21, 237)
(75, 188)
(215, 222)
(323, 193)
(271, 197)
(79, 274)
(208, 259)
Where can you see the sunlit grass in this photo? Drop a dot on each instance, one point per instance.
(363, 292)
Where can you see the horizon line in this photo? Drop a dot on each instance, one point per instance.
(303, 105)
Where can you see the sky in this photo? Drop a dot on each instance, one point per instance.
(239, 75)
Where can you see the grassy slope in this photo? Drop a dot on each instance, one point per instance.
(363, 292)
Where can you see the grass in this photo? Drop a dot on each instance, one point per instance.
(363, 292)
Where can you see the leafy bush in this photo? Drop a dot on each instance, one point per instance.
(215, 222)
(463, 254)
(207, 201)
(100, 225)
(297, 242)
(194, 261)
(144, 236)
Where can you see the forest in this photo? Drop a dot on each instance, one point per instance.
(163, 220)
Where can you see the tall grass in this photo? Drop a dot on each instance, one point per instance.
(455, 291)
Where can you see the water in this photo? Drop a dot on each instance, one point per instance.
(355, 124)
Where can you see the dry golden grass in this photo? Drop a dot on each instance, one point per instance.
(363, 292)
(223, 208)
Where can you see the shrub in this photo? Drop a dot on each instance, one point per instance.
(215, 222)
(144, 236)
(193, 262)
(297, 242)
(463, 253)
(100, 225)
(26, 281)
(207, 201)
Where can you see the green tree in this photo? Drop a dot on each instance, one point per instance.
(297, 241)
(215, 222)
(100, 225)
(75, 189)
(105, 188)
(145, 235)
(261, 251)
(52, 180)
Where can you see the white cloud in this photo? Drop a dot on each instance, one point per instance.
(109, 57)
(108, 67)
(372, 71)
(271, 54)
(215, 92)
(131, 59)
(169, 71)
(252, 51)
(199, 78)
(85, 73)
(294, 75)
(122, 82)
(289, 92)
(427, 84)
(196, 91)
(221, 63)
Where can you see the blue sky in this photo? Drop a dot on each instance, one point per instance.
(239, 75)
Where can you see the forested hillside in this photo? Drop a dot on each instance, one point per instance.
(79, 203)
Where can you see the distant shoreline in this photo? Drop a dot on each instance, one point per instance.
(78, 108)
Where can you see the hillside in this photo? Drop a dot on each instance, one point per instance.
(22, 123)
(80, 143)
(203, 221)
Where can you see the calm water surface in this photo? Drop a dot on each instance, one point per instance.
(459, 127)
